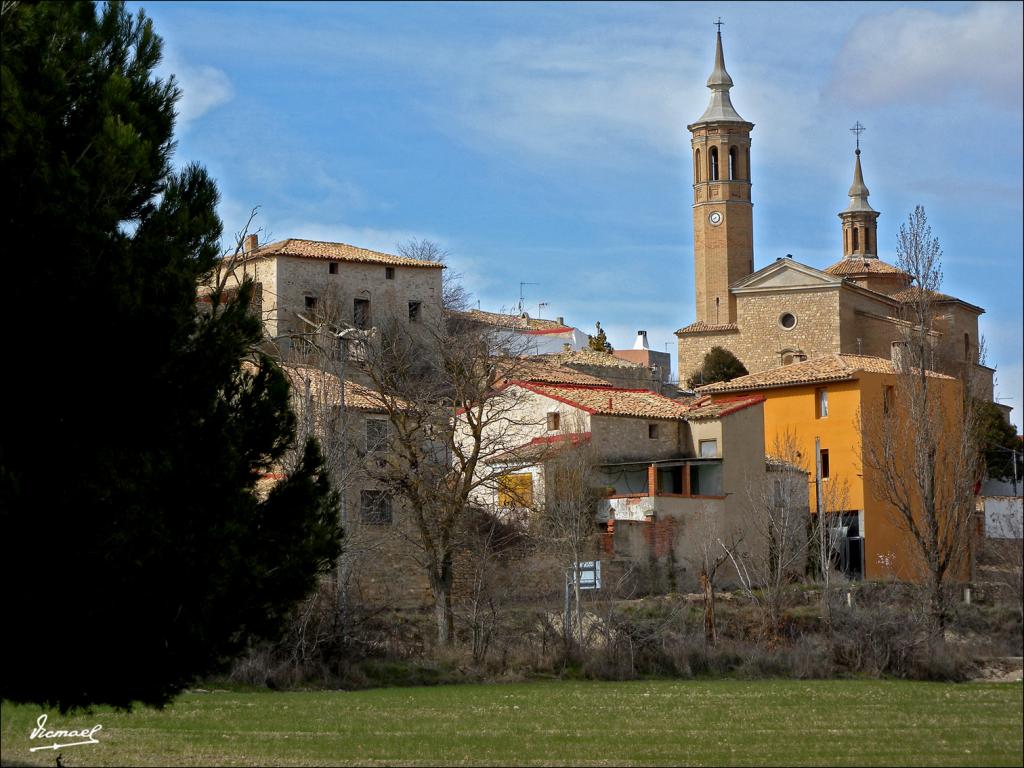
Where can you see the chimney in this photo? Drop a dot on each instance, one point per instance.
(560, 320)
(252, 242)
(641, 340)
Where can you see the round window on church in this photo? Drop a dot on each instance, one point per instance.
(787, 320)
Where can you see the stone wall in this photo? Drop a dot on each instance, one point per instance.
(761, 340)
(625, 438)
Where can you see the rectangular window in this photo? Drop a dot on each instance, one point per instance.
(311, 302)
(515, 491)
(361, 314)
(375, 508)
(821, 404)
(414, 311)
(824, 464)
(708, 449)
(376, 435)
(553, 420)
(888, 396)
(389, 273)
(332, 268)
(652, 431)
(706, 479)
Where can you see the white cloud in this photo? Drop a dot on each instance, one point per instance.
(202, 88)
(919, 55)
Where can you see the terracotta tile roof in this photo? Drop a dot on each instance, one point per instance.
(701, 327)
(543, 371)
(591, 357)
(913, 294)
(820, 369)
(324, 384)
(540, 448)
(612, 401)
(523, 321)
(316, 249)
(704, 408)
(846, 267)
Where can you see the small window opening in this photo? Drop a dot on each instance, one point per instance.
(787, 320)
(967, 347)
(652, 431)
(888, 395)
(311, 302)
(821, 396)
(855, 243)
(713, 164)
(696, 166)
(375, 508)
(389, 273)
(376, 435)
(733, 163)
(553, 421)
(361, 313)
(867, 240)
(332, 268)
(414, 311)
(708, 449)
(824, 464)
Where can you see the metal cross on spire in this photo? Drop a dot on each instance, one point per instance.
(719, 24)
(857, 130)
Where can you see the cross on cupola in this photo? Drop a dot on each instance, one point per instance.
(857, 130)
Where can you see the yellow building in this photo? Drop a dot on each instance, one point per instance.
(824, 399)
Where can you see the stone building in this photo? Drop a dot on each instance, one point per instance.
(354, 287)
(789, 311)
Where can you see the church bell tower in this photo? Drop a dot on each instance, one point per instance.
(723, 233)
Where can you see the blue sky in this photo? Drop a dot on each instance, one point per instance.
(547, 143)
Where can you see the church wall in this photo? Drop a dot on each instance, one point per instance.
(693, 347)
(761, 340)
(864, 329)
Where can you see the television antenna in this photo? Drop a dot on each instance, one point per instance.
(522, 285)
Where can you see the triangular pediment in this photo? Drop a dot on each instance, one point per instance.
(785, 274)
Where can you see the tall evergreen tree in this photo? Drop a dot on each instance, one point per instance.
(137, 553)
(719, 365)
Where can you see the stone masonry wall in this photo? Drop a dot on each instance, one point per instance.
(761, 340)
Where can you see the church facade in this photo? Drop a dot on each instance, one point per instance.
(788, 312)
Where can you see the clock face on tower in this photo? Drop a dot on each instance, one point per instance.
(715, 218)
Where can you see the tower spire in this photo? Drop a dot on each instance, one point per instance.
(858, 189)
(719, 81)
(859, 218)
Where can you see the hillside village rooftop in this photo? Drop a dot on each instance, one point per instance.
(822, 369)
(326, 251)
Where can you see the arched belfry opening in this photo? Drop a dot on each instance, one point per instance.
(713, 164)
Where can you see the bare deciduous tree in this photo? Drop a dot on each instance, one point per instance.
(440, 386)
(922, 453)
(710, 557)
(774, 547)
(832, 500)
(567, 520)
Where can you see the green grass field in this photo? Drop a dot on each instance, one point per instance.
(636, 723)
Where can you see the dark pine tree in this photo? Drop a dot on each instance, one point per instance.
(137, 554)
(719, 365)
